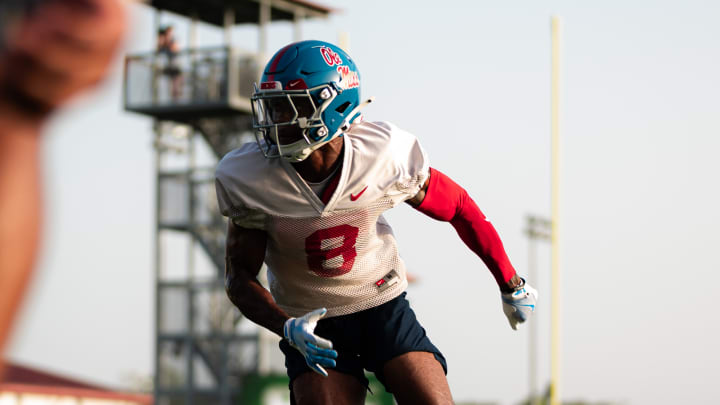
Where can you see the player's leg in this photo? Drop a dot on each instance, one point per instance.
(417, 378)
(337, 389)
(403, 357)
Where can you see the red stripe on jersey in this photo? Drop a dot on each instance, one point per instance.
(447, 201)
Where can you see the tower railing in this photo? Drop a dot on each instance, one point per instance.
(190, 84)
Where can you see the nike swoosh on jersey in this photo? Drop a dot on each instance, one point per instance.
(354, 197)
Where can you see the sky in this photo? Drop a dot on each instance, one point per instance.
(639, 194)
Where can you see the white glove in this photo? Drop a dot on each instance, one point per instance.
(519, 304)
(300, 333)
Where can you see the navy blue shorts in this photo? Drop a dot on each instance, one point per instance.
(366, 340)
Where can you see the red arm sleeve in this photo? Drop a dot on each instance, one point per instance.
(446, 201)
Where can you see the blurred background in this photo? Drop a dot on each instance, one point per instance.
(127, 295)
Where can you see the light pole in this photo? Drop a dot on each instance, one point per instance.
(555, 115)
(538, 229)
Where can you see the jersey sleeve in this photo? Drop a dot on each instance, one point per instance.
(410, 162)
(237, 212)
(230, 196)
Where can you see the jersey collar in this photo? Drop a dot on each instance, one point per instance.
(307, 192)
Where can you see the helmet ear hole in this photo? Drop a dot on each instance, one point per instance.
(342, 107)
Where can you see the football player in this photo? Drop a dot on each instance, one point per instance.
(60, 49)
(307, 199)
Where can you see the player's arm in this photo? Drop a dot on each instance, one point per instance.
(244, 257)
(444, 200)
(60, 49)
(19, 213)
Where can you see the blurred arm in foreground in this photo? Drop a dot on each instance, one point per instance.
(62, 48)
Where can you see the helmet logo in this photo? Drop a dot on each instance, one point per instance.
(348, 79)
(331, 57)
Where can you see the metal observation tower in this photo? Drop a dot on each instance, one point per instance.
(205, 351)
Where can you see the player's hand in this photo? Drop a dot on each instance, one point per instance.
(300, 333)
(519, 304)
(60, 49)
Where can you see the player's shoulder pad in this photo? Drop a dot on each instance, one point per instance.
(242, 164)
(392, 157)
(382, 139)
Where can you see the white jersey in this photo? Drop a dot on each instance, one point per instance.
(343, 255)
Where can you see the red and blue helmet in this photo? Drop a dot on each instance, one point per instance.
(313, 85)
